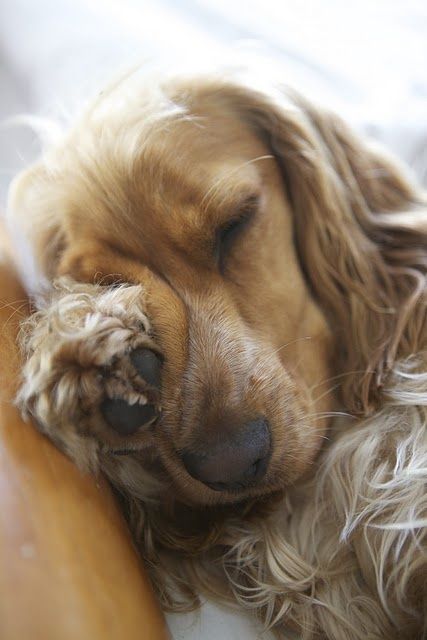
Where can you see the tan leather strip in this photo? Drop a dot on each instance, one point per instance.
(68, 570)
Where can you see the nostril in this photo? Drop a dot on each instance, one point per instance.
(238, 462)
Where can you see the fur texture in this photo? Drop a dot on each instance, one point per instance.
(313, 316)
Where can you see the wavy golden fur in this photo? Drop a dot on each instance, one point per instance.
(314, 317)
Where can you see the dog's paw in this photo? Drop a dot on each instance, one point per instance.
(132, 383)
(92, 373)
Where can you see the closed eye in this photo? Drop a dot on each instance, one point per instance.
(229, 233)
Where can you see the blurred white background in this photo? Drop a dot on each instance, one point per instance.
(367, 60)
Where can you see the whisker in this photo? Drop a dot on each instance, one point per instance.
(325, 393)
(342, 414)
(107, 277)
(218, 183)
(11, 304)
(330, 414)
(340, 375)
(16, 311)
(288, 344)
(263, 361)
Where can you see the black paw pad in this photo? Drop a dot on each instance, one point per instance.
(126, 418)
(148, 364)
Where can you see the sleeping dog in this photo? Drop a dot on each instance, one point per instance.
(231, 325)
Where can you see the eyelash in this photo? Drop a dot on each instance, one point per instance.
(227, 235)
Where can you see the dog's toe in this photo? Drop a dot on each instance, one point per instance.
(127, 418)
(148, 365)
(132, 391)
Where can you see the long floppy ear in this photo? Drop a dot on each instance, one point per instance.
(361, 233)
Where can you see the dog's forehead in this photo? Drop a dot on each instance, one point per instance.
(201, 160)
(168, 183)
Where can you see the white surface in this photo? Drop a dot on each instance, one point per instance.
(366, 59)
(216, 623)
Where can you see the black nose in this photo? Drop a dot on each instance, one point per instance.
(236, 463)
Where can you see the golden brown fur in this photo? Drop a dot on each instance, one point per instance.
(318, 309)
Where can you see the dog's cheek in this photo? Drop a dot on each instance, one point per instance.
(169, 326)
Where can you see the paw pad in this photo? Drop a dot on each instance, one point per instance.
(127, 418)
(148, 364)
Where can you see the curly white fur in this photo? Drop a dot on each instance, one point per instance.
(78, 331)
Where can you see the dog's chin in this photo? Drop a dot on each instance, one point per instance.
(197, 494)
(227, 503)
(196, 527)
(183, 488)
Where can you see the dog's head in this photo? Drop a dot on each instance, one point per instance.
(265, 236)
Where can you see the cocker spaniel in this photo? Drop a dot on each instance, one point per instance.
(231, 325)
